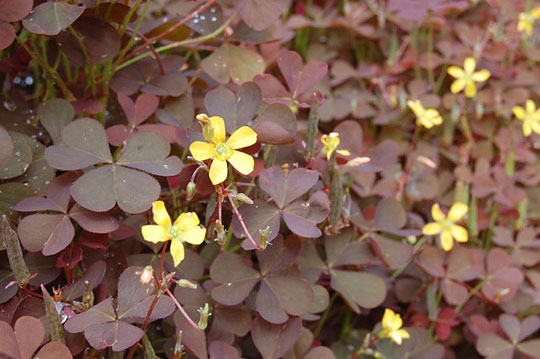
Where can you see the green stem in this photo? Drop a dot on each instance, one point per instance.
(324, 316)
(177, 44)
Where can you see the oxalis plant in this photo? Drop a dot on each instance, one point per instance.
(298, 179)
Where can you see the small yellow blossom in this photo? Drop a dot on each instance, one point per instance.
(446, 225)
(466, 78)
(185, 229)
(526, 21)
(331, 143)
(530, 117)
(391, 323)
(221, 150)
(427, 117)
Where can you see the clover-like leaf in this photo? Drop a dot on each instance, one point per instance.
(237, 109)
(49, 18)
(51, 233)
(273, 340)
(276, 125)
(286, 187)
(278, 296)
(300, 80)
(231, 62)
(23, 340)
(492, 345)
(85, 144)
(109, 323)
(358, 289)
(501, 279)
(260, 14)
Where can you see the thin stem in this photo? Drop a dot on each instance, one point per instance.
(177, 44)
(152, 40)
(179, 306)
(242, 223)
(144, 325)
(324, 316)
(162, 259)
(55, 77)
(470, 294)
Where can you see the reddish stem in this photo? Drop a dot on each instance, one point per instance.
(154, 52)
(242, 223)
(145, 324)
(179, 306)
(150, 41)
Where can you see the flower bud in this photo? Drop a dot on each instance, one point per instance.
(191, 189)
(244, 198)
(264, 234)
(204, 315)
(88, 295)
(146, 274)
(178, 346)
(221, 233)
(184, 283)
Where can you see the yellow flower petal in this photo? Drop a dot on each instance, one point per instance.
(460, 234)
(389, 320)
(530, 106)
(218, 171)
(194, 235)
(416, 107)
(154, 233)
(177, 251)
(470, 90)
(437, 214)
(458, 85)
(535, 13)
(343, 152)
(469, 65)
(481, 76)
(455, 72)
(399, 335)
(446, 240)
(431, 229)
(527, 129)
(535, 126)
(202, 150)
(218, 125)
(243, 137)
(242, 162)
(161, 217)
(187, 221)
(519, 112)
(457, 211)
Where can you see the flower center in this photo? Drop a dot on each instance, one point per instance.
(447, 224)
(223, 151)
(175, 232)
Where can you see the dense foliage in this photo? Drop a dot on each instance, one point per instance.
(270, 179)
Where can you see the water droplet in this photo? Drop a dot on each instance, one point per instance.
(213, 18)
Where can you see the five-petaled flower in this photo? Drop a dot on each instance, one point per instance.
(331, 143)
(391, 323)
(185, 229)
(530, 117)
(427, 117)
(526, 21)
(221, 150)
(466, 78)
(446, 225)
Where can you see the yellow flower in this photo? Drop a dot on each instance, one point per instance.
(466, 78)
(425, 117)
(391, 323)
(185, 229)
(526, 21)
(530, 117)
(331, 143)
(446, 225)
(222, 151)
